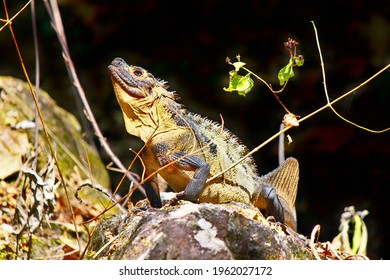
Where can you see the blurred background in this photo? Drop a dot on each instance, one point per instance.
(186, 43)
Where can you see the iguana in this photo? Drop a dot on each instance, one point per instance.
(186, 150)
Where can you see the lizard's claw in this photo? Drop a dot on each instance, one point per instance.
(174, 200)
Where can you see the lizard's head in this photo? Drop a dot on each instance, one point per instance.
(141, 97)
(133, 80)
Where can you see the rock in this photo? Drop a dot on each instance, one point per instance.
(33, 203)
(17, 114)
(195, 231)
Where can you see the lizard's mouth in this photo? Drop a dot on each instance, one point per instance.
(120, 75)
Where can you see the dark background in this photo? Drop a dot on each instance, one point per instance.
(187, 42)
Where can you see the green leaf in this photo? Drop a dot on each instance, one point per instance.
(357, 234)
(299, 60)
(286, 73)
(241, 84)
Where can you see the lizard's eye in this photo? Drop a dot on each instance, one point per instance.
(138, 73)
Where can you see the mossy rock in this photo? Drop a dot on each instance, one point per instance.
(77, 161)
(195, 231)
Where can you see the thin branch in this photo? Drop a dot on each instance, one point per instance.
(250, 153)
(328, 105)
(44, 128)
(274, 92)
(346, 94)
(313, 239)
(37, 78)
(56, 20)
(326, 90)
(281, 153)
(9, 20)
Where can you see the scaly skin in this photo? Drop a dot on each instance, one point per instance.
(192, 149)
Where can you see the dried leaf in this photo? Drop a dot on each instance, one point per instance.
(9, 164)
(13, 145)
(21, 215)
(290, 120)
(40, 196)
(26, 124)
(34, 177)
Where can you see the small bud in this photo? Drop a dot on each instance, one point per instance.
(290, 120)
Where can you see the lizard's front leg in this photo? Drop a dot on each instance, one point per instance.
(185, 162)
(202, 171)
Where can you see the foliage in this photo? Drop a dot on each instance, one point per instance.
(241, 84)
(244, 84)
(353, 232)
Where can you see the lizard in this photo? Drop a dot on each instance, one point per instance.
(186, 150)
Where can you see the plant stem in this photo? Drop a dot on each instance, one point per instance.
(270, 88)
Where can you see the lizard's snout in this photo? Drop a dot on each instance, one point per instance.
(133, 80)
(118, 62)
